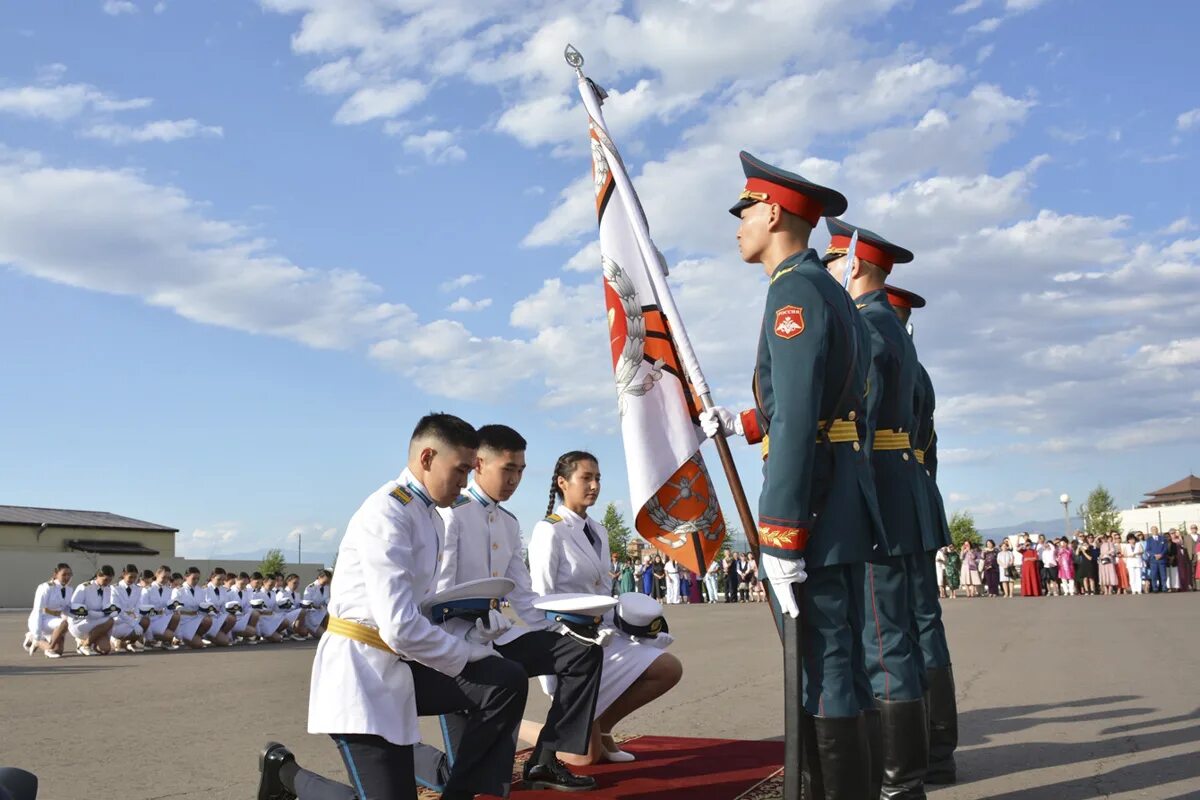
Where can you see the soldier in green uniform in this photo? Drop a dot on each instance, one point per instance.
(940, 703)
(891, 641)
(818, 516)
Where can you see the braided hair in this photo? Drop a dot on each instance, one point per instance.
(564, 468)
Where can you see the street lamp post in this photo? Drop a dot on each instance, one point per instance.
(1065, 499)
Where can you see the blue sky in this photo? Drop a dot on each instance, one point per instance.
(243, 248)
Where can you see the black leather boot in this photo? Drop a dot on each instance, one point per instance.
(843, 755)
(270, 761)
(811, 785)
(943, 726)
(874, 725)
(905, 749)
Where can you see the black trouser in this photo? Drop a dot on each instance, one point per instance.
(493, 690)
(569, 721)
(731, 588)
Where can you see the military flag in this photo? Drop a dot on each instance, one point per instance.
(657, 378)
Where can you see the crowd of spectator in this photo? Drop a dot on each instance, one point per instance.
(1086, 564)
(731, 578)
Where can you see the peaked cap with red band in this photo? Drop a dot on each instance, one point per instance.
(794, 194)
(871, 246)
(903, 298)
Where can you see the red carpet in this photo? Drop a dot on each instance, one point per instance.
(667, 767)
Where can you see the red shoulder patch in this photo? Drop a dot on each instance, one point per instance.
(789, 322)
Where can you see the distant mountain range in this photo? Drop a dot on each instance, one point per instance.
(1050, 527)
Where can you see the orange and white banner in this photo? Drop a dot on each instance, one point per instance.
(657, 378)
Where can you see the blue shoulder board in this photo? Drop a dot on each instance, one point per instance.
(506, 511)
(553, 518)
(461, 501)
(401, 494)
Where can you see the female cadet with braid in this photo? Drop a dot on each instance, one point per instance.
(568, 552)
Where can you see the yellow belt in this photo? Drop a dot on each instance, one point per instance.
(188, 613)
(266, 613)
(359, 633)
(892, 440)
(53, 612)
(842, 430)
(920, 456)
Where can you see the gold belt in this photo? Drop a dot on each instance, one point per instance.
(359, 633)
(920, 456)
(842, 430)
(892, 440)
(52, 612)
(188, 613)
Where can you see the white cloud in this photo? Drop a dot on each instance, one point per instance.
(112, 231)
(1029, 495)
(966, 6)
(984, 53)
(1181, 225)
(1188, 120)
(461, 281)
(380, 102)
(115, 8)
(436, 146)
(463, 304)
(62, 102)
(163, 130)
(334, 77)
(986, 25)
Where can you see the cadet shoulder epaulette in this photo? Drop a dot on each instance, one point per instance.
(779, 273)
(402, 494)
(461, 501)
(506, 511)
(553, 519)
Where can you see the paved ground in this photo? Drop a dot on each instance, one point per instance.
(1060, 698)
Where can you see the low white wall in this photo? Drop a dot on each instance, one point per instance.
(22, 570)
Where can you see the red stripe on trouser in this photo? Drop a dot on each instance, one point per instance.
(879, 634)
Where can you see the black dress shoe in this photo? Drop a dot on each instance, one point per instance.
(270, 787)
(556, 776)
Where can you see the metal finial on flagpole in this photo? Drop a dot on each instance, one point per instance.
(574, 58)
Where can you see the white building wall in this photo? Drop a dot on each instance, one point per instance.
(1163, 517)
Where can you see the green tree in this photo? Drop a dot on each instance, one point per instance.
(618, 531)
(272, 562)
(962, 529)
(1100, 513)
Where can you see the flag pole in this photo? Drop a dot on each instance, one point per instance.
(790, 630)
(650, 255)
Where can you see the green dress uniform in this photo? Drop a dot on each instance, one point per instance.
(940, 701)
(818, 499)
(891, 638)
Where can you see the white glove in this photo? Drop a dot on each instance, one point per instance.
(478, 652)
(497, 625)
(784, 573)
(660, 642)
(721, 419)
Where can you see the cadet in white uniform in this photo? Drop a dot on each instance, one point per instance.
(127, 626)
(47, 629)
(483, 540)
(186, 600)
(246, 622)
(288, 601)
(315, 601)
(270, 618)
(163, 620)
(92, 613)
(568, 552)
(364, 695)
(215, 598)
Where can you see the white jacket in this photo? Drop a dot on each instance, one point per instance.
(483, 540)
(94, 597)
(49, 595)
(127, 598)
(156, 595)
(316, 594)
(190, 598)
(561, 559)
(386, 564)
